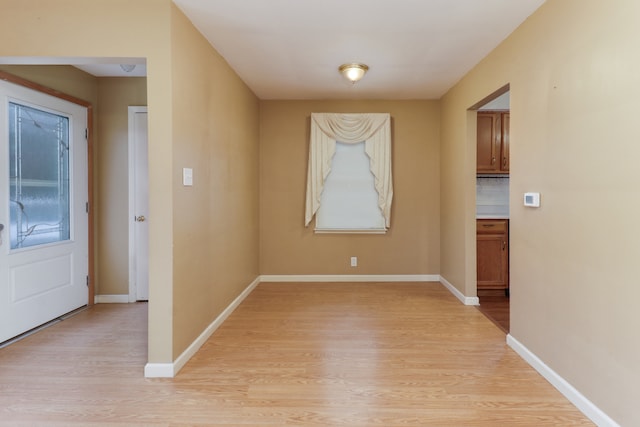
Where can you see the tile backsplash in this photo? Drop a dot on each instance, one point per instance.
(492, 197)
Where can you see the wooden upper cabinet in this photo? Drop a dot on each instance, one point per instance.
(493, 142)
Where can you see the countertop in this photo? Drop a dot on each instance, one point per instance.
(492, 216)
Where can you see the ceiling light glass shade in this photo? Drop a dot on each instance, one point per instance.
(127, 68)
(353, 72)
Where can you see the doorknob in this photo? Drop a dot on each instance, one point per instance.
(140, 218)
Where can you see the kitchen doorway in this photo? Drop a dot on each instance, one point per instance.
(492, 208)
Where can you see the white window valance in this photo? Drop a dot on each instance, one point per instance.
(329, 128)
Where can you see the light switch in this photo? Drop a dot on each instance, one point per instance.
(187, 177)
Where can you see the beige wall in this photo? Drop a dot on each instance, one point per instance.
(215, 221)
(115, 95)
(573, 70)
(412, 244)
(64, 78)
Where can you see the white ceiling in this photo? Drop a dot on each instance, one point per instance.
(122, 69)
(291, 49)
(416, 49)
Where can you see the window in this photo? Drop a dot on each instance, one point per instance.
(349, 186)
(39, 176)
(349, 200)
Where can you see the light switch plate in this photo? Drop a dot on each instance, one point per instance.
(187, 177)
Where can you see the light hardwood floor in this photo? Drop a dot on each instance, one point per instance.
(495, 305)
(338, 354)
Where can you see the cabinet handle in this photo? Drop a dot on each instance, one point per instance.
(504, 162)
(504, 245)
(493, 160)
(488, 225)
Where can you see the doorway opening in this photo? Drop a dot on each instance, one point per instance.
(100, 82)
(492, 207)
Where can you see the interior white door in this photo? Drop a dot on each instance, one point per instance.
(43, 207)
(139, 204)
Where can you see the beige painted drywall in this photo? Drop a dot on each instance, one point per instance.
(412, 244)
(117, 28)
(65, 78)
(573, 71)
(115, 95)
(215, 221)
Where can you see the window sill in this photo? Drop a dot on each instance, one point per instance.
(350, 230)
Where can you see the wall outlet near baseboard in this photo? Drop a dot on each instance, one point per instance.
(354, 261)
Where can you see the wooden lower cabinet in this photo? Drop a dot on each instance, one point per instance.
(492, 238)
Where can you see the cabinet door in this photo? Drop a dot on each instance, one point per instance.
(493, 261)
(487, 148)
(492, 240)
(504, 166)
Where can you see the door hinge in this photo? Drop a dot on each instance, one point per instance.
(86, 133)
(86, 206)
(87, 281)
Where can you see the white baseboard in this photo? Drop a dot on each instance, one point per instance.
(159, 370)
(111, 299)
(587, 407)
(372, 278)
(351, 278)
(464, 299)
(169, 370)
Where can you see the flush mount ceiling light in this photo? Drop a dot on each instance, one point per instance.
(127, 68)
(354, 71)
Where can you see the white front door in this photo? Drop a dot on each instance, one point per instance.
(139, 205)
(43, 208)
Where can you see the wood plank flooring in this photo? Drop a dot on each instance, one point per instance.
(331, 354)
(495, 305)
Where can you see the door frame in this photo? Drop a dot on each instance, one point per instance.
(471, 283)
(10, 78)
(133, 257)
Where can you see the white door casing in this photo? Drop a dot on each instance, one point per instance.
(42, 281)
(138, 205)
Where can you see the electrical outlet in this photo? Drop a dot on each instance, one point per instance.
(354, 261)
